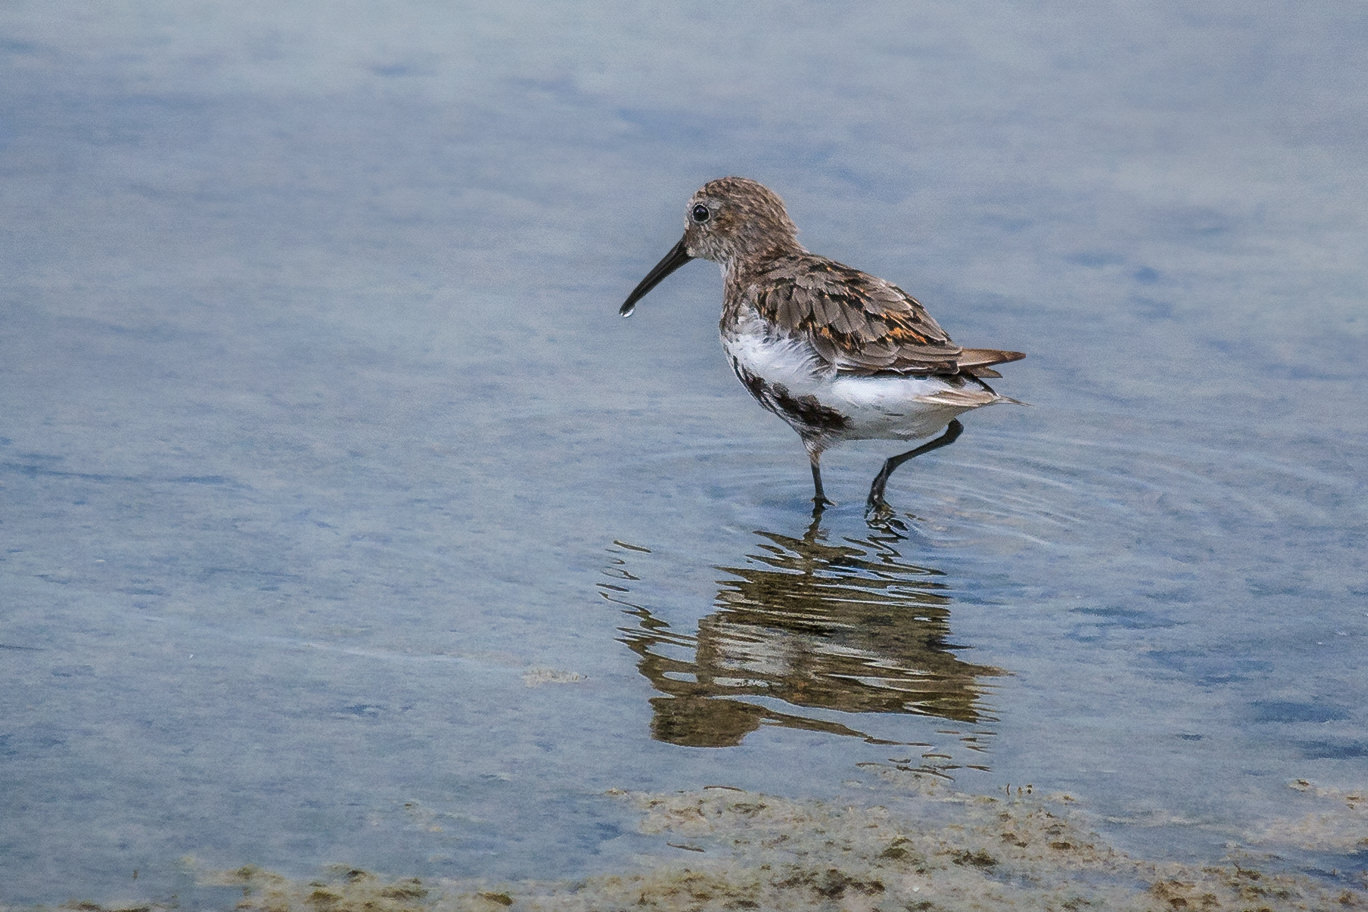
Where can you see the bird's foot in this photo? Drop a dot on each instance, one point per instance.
(881, 516)
(877, 508)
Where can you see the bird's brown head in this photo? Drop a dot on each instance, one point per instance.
(726, 220)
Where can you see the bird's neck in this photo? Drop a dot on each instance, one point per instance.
(749, 262)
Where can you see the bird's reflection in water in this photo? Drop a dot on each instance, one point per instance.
(805, 632)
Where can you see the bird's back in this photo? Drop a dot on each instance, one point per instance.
(855, 322)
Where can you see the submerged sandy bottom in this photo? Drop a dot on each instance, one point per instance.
(934, 849)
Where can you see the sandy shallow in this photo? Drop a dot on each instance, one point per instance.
(933, 849)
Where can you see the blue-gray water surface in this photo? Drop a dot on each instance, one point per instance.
(342, 520)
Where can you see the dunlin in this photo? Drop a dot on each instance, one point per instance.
(837, 353)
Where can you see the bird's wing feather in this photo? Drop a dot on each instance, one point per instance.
(859, 323)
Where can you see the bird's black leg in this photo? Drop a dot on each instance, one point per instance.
(876, 501)
(819, 498)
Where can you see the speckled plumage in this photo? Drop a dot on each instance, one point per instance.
(837, 353)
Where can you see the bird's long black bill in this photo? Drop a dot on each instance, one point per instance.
(678, 256)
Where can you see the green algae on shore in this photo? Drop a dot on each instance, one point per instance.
(940, 851)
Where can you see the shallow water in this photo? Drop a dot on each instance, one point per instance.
(344, 521)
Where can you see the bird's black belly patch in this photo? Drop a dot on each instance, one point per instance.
(805, 413)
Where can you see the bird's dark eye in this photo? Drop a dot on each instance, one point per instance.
(700, 213)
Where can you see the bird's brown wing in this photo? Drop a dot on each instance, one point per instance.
(860, 323)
